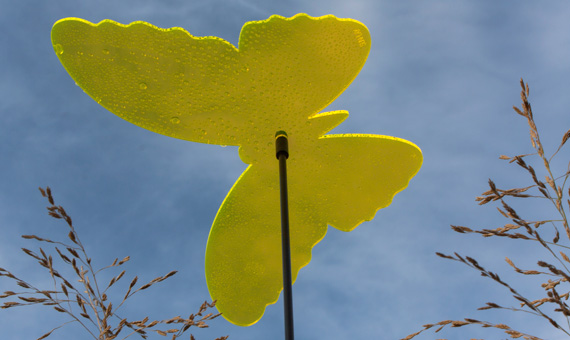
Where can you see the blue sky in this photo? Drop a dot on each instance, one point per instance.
(442, 74)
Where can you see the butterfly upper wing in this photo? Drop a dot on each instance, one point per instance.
(299, 65)
(338, 180)
(203, 89)
(163, 80)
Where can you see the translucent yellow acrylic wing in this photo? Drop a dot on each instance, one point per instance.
(338, 180)
(243, 255)
(203, 89)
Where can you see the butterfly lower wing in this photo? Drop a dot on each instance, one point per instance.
(348, 178)
(337, 180)
(243, 255)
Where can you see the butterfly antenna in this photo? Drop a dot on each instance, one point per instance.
(282, 153)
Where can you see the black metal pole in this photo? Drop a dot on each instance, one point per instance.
(282, 153)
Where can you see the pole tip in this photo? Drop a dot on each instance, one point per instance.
(281, 144)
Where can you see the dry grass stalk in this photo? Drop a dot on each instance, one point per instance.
(556, 277)
(94, 310)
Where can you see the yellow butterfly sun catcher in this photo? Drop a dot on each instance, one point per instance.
(203, 89)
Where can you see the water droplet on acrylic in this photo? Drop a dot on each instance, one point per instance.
(105, 51)
(175, 120)
(143, 86)
(58, 49)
